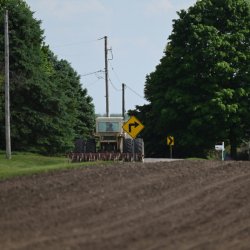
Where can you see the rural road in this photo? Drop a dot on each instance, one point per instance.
(160, 159)
(180, 205)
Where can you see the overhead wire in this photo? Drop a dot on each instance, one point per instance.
(81, 54)
(92, 73)
(114, 86)
(126, 86)
(115, 72)
(92, 83)
(76, 43)
(135, 92)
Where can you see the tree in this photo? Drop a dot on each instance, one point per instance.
(45, 106)
(200, 90)
(84, 108)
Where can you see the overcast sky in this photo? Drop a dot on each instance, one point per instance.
(137, 31)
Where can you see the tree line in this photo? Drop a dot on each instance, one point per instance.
(49, 109)
(200, 91)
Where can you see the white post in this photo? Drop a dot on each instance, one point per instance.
(220, 147)
(223, 151)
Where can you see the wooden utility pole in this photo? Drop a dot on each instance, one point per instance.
(123, 101)
(107, 77)
(7, 94)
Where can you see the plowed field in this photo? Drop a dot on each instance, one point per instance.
(147, 206)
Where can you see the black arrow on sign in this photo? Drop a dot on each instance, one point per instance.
(171, 140)
(133, 124)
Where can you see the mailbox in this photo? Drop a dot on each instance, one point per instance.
(219, 147)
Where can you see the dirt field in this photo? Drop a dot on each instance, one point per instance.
(146, 206)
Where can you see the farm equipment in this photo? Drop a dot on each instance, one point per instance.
(113, 143)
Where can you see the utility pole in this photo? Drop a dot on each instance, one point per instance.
(7, 94)
(123, 101)
(107, 76)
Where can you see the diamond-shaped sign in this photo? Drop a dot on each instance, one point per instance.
(133, 126)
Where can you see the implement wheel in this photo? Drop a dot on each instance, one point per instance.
(139, 146)
(79, 146)
(127, 146)
(90, 146)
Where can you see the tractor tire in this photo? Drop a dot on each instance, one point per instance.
(139, 146)
(79, 146)
(127, 146)
(90, 146)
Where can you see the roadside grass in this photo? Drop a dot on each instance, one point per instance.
(195, 159)
(29, 163)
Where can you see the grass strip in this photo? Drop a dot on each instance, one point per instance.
(195, 159)
(28, 163)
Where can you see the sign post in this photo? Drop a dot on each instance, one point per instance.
(133, 127)
(134, 149)
(170, 142)
(222, 148)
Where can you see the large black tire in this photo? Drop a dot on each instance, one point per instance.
(127, 146)
(90, 146)
(139, 146)
(79, 146)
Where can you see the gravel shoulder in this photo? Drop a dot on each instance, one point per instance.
(164, 205)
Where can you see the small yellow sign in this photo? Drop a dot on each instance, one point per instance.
(133, 126)
(170, 140)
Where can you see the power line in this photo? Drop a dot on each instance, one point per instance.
(135, 92)
(114, 72)
(81, 54)
(114, 86)
(92, 73)
(76, 43)
(125, 85)
(91, 83)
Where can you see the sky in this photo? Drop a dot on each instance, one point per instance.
(137, 32)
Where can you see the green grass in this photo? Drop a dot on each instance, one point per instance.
(195, 159)
(28, 163)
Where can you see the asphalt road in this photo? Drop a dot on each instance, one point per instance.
(160, 160)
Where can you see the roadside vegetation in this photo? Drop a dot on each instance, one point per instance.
(23, 163)
(49, 109)
(195, 159)
(199, 92)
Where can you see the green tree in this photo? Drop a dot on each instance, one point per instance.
(46, 107)
(150, 114)
(200, 91)
(84, 108)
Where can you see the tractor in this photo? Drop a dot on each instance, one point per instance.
(113, 143)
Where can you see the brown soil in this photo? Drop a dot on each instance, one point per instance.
(176, 205)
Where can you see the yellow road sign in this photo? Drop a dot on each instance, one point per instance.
(133, 127)
(170, 140)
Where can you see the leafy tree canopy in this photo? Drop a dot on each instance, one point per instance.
(199, 93)
(47, 102)
(84, 109)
